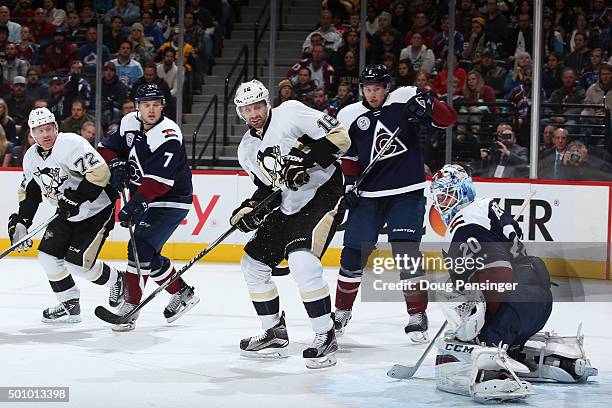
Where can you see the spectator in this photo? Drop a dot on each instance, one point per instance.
(552, 159)
(420, 25)
(475, 91)
(348, 72)
(553, 40)
(23, 13)
(115, 35)
(304, 89)
(476, 42)
(371, 20)
(351, 43)
(152, 31)
(600, 93)
(570, 92)
(76, 31)
(579, 58)
(88, 52)
(128, 70)
(188, 55)
(581, 28)
(168, 71)
(515, 78)
(128, 12)
(13, 66)
(19, 103)
(562, 17)
(77, 86)
(13, 28)
(399, 18)
(344, 97)
(319, 100)
(58, 103)
(464, 17)
(508, 159)
(7, 123)
(418, 53)
(388, 61)
(26, 49)
(493, 75)
(41, 29)
(285, 92)
(165, 17)
(384, 22)
(521, 97)
(78, 116)
(591, 71)
(142, 49)
(333, 40)
(496, 24)
(88, 18)
(19, 152)
(551, 75)
(547, 138)
(320, 71)
(439, 84)
(599, 16)
(521, 38)
(578, 164)
(440, 43)
(113, 93)
(127, 106)
(387, 43)
(40, 103)
(88, 131)
(58, 56)
(55, 16)
(6, 149)
(406, 74)
(194, 35)
(422, 80)
(35, 88)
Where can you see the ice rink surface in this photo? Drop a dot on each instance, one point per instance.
(195, 362)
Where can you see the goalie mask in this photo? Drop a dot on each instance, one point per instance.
(249, 93)
(451, 189)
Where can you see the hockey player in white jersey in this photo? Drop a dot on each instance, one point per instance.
(296, 147)
(159, 180)
(69, 174)
(493, 338)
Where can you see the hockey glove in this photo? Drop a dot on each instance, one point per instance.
(120, 173)
(133, 211)
(351, 197)
(296, 163)
(245, 219)
(419, 108)
(68, 204)
(17, 230)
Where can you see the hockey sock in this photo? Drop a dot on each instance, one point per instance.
(349, 278)
(416, 299)
(133, 293)
(174, 286)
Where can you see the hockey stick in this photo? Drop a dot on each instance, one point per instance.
(405, 372)
(110, 317)
(29, 236)
(133, 243)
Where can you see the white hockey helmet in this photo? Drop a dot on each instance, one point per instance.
(249, 93)
(41, 116)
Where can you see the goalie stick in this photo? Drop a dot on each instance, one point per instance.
(29, 236)
(102, 313)
(402, 372)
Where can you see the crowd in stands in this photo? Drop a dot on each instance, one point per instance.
(48, 57)
(491, 79)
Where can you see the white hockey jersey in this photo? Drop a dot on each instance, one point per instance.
(261, 155)
(64, 166)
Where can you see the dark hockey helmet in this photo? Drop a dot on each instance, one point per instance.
(149, 92)
(375, 74)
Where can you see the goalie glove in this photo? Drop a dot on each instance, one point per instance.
(295, 166)
(244, 218)
(17, 230)
(420, 107)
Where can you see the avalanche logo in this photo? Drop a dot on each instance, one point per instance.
(381, 136)
(136, 174)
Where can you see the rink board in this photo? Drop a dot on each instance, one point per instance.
(575, 215)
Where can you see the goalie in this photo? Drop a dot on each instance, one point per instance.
(494, 336)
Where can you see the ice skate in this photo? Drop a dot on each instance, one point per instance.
(416, 329)
(271, 344)
(117, 291)
(341, 319)
(180, 303)
(65, 312)
(129, 325)
(322, 353)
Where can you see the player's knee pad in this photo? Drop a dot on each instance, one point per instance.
(307, 270)
(557, 358)
(483, 373)
(350, 259)
(255, 272)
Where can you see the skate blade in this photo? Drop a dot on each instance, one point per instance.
(194, 301)
(321, 362)
(124, 327)
(266, 354)
(418, 337)
(62, 320)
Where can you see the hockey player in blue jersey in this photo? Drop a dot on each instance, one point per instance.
(392, 193)
(148, 153)
(512, 301)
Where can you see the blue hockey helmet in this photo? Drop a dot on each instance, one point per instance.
(148, 92)
(375, 74)
(451, 189)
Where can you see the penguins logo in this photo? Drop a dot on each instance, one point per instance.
(51, 180)
(270, 162)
